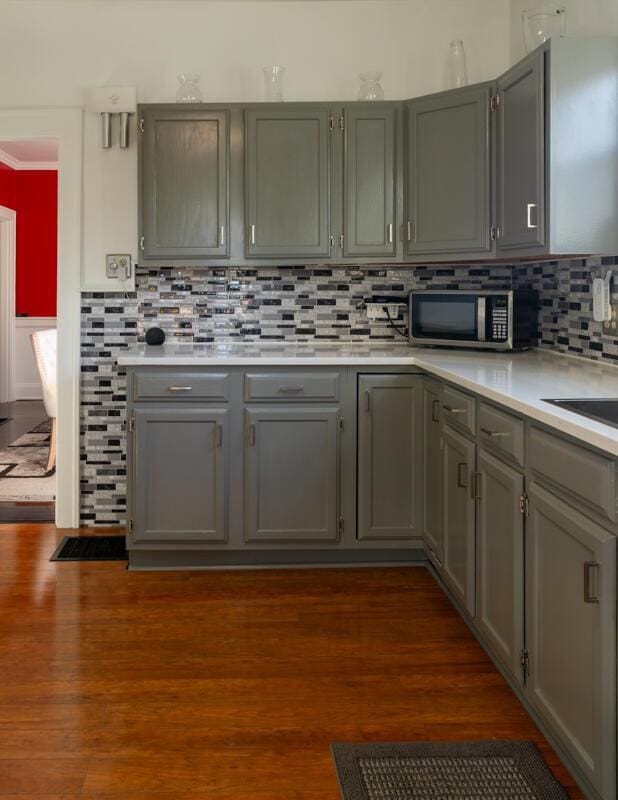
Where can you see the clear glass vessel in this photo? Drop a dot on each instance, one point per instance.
(188, 91)
(370, 88)
(540, 24)
(458, 71)
(273, 83)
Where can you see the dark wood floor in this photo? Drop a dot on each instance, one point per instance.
(225, 685)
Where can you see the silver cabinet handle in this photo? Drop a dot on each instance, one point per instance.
(290, 389)
(389, 232)
(253, 234)
(332, 241)
(179, 388)
(251, 435)
(475, 486)
(529, 208)
(494, 434)
(222, 235)
(409, 231)
(368, 401)
(219, 436)
(591, 588)
(435, 411)
(462, 475)
(452, 410)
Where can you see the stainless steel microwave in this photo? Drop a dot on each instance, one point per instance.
(493, 320)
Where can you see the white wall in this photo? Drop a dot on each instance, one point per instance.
(53, 51)
(584, 18)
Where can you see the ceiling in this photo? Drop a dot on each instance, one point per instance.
(30, 154)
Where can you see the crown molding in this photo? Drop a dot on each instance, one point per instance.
(16, 164)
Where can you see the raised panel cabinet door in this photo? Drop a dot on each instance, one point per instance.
(292, 474)
(500, 560)
(389, 455)
(447, 190)
(521, 155)
(433, 481)
(287, 163)
(370, 167)
(571, 633)
(184, 196)
(180, 475)
(458, 564)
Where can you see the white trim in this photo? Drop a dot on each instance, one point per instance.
(8, 233)
(15, 163)
(64, 125)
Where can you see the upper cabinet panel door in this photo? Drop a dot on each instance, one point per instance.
(287, 183)
(448, 173)
(184, 164)
(370, 170)
(521, 154)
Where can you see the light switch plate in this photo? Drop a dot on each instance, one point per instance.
(118, 266)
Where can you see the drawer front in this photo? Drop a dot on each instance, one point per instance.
(501, 432)
(583, 478)
(292, 386)
(459, 409)
(181, 386)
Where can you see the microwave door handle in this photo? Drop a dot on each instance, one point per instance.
(480, 319)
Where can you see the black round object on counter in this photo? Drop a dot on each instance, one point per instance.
(155, 336)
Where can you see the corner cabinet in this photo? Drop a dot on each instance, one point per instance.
(184, 184)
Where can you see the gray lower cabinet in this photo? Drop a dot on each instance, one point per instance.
(388, 456)
(184, 196)
(180, 464)
(571, 633)
(458, 563)
(370, 166)
(447, 176)
(287, 176)
(500, 560)
(433, 484)
(292, 473)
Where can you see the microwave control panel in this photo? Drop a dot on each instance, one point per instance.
(498, 318)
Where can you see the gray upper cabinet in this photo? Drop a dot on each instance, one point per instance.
(447, 177)
(287, 177)
(292, 473)
(571, 633)
(184, 195)
(370, 167)
(389, 444)
(521, 154)
(187, 449)
(500, 560)
(433, 500)
(458, 568)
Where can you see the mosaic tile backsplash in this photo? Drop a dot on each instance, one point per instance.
(270, 304)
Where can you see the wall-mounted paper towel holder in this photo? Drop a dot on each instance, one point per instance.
(108, 100)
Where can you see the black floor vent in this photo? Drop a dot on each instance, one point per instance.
(91, 548)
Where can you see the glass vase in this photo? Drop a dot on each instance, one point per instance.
(370, 88)
(273, 83)
(458, 71)
(188, 91)
(540, 24)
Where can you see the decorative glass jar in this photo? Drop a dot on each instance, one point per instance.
(188, 91)
(458, 71)
(273, 83)
(540, 24)
(370, 88)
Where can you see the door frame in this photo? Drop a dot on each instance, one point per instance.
(65, 125)
(8, 233)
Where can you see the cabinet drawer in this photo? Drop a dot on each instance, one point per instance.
(502, 432)
(459, 409)
(292, 386)
(583, 477)
(180, 386)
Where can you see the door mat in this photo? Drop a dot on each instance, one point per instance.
(91, 548)
(27, 456)
(491, 770)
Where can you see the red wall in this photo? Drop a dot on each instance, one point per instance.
(33, 194)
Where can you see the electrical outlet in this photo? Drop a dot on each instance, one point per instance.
(611, 325)
(376, 310)
(118, 266)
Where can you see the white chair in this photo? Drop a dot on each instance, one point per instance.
(44, 344)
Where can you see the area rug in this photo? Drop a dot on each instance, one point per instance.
(489, 770)
(91, 548)
(27, 456)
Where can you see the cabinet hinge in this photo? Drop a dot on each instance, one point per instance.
(341, 525)
(131, 525)
(494, 233)
(342, 424)
(131, 424)
(524, 661)
(341, 241)
(524, 505)
(331, 123)
(342, 123)
(332, 241)
(494, 102)
(142, 243)
(142, 125)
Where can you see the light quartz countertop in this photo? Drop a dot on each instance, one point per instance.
(519, 381)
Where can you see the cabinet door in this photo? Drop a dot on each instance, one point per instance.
(521, 155)
(571, 633)
(389, 445)
(433, 505)
(184, 198)
(370, 170)
(500, 560)
(180, 475)
(447, 175)
(292, 474)
(287, 177)
(459, 538)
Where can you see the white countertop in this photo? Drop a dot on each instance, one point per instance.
(518, 381)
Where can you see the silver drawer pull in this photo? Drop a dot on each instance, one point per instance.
(529, 208)
(462, 475)
(494, 434)
(290, 389)
(591, 581)
(180, 388)
(452, 410)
